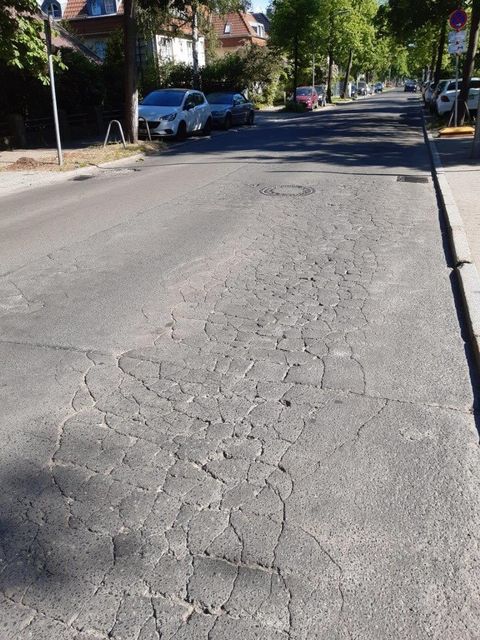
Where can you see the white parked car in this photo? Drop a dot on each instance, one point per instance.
(446, 97)
(175, 112)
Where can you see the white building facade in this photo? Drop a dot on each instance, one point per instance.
(179, 50)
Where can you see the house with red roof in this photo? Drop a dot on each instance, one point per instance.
(236, 29)
(94, 22)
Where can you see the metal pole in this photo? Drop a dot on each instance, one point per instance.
(48, 37)
(456, 90)
(313, 70)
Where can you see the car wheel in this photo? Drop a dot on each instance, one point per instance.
(181, 131)
(207, 129)
(251, 118)
(227, 123)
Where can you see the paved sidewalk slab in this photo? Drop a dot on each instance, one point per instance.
(463, 176)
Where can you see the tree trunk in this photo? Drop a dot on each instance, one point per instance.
(432, 63)
(347, 73)
(131, 89)
(331, 47)
(329, 77)
(441, 47)
(295, 67)
(196, 66)
(469, 63)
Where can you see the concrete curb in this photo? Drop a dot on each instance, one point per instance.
(465, 268)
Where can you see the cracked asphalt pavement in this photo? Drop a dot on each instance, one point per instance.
(229, 413)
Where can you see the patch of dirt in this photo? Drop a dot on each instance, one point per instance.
(89, 156)
(26, 164)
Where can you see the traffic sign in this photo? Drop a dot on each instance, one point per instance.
(456, 36)
(456, 48)
(458, 19)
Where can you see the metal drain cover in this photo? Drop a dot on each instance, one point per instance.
(412, 179)
(287, 190)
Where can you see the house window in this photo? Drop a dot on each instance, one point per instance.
(100, 48)
(95, 8)
(227, 28)
(259, 29)
(110, 6)
(52, 9)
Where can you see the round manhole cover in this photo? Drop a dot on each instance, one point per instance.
(286, 190)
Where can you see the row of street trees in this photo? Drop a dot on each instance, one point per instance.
(345, 32)
(394, 38)
(424, 25)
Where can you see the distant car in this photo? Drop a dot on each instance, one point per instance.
(362, 88)
(378, 87)
(230, 108)
(446, 97)
(307, 96)
(321, 90)
(175, 113)
(410, 86)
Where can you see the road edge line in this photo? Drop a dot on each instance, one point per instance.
(464, 266)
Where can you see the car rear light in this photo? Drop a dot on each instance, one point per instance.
(444, 99)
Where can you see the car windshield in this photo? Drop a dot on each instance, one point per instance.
(220, 98)
(304, 91)
(320, 88)
(164, 98)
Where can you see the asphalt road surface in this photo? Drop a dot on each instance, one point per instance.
(235, 397)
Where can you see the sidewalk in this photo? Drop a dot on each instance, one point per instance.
(463, 177)
(458, 181)
(29, 171)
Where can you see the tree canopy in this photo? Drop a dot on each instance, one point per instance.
(21, 43)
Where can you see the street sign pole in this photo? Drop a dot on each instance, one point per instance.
(48, 38)
(456, 89)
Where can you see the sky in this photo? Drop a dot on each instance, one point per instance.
(260, 5)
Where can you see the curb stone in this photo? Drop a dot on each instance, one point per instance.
(464, 266)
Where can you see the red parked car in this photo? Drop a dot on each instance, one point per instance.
(308, 96)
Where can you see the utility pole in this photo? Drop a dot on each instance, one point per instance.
(48, 38)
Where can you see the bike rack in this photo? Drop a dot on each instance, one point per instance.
(148, 128)
(121, 133)
(468, 116)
